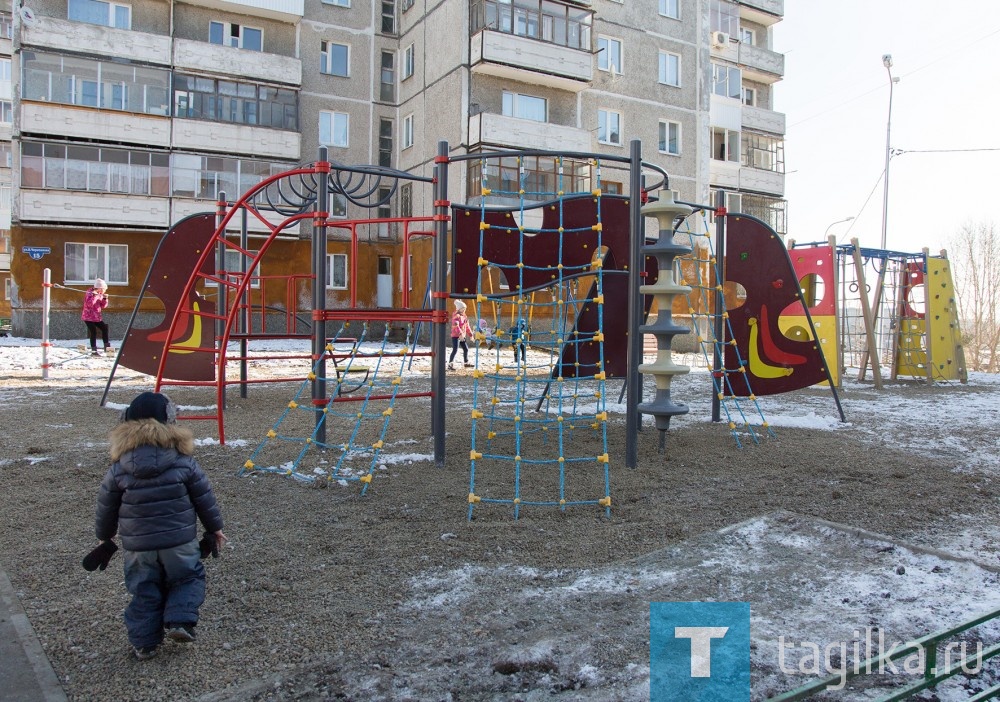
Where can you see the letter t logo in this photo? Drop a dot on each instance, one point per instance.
(701, 646)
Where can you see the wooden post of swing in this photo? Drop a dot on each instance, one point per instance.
(838, 343)
(872, 351)
(866, 311)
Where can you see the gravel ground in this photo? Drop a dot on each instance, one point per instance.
(326, 594)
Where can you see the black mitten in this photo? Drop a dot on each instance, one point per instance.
(99, 558)
(209, 544)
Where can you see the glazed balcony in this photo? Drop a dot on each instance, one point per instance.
(533, 41)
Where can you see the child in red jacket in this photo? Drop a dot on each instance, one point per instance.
(461, 332)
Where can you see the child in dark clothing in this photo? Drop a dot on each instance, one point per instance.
(152, 496)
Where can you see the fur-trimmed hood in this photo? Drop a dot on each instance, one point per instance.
(129, 436)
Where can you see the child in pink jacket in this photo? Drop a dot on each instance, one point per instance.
(461, 332)
(93, 307)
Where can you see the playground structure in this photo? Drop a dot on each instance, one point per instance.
(888, 311)
(543, 260)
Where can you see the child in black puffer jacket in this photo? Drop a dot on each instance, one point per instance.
(152, 497)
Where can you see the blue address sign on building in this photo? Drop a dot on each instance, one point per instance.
(36, 252)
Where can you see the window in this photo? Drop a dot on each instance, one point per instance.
(724, 16)
(541, 177)
(408, 131)
(6, 113)
(83, 263)
(611, 187)
(235, 35)
(748, 36)
(334, 128)
(387, 77)
(385, 143)
(561, 23)
(334, 59)
(749, 97)
(384, 211)
(609, 127)
(408, 62)
(406, 200)
(106, 14)
(336, 271)
(94, 169)
(6, 288)
(99, 83)
(609, 54)
(4, 69)
(204, 177)
(764, 152)
(670, 69)
(726, 81)
(725, 145)
(388, 16)
(406, 5)
(524, 106)
(670, 8)
(338, 3)
(338, 205)
(197, 97)
(670, 138)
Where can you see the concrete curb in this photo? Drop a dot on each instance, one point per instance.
(24, 667)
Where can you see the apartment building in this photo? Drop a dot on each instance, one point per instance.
(123, 117)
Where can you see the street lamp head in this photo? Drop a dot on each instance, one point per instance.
(887, 60)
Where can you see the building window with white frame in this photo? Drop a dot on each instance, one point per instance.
(670, 137)
(726, 81)
(725, 145)
(336, 271)
(609, 127)
(407, 131)
(335, 59)
(334, 128)
(670, 69)
(232, 264)
(724, 16)
(338, 3)
(236, 36)
(748, 36)
(749, 97)
(106, 14)
(387, 77)
(407, 62)
(84, 263)
(525, 106)
(609, 54)
(670, 8)
(6, 113)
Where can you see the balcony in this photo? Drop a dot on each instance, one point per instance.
(211, 58)
(100, 125)
(732, 176)
(281, 10)
(530, 61)
(59, 34)
(67, 206)
(260, 142)
(766, 12)
(490, 129)
(760, 64)
(762, 120)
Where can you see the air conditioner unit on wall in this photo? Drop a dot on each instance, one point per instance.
(720, 39)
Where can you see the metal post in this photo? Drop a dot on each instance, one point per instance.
(319, 293)
(438, 302)
(222, 294)
(633, 381)
(243, 320)
(46, 306)
(718, 360)
(887, 62)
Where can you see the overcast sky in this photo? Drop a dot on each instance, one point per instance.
(835, 95)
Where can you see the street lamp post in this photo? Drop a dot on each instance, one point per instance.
(887, 62)
(833, 224)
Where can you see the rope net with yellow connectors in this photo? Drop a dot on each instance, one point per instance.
(702, 273)
(364, 380)
(539, 435)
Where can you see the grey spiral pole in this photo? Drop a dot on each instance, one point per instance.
(665, 250)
